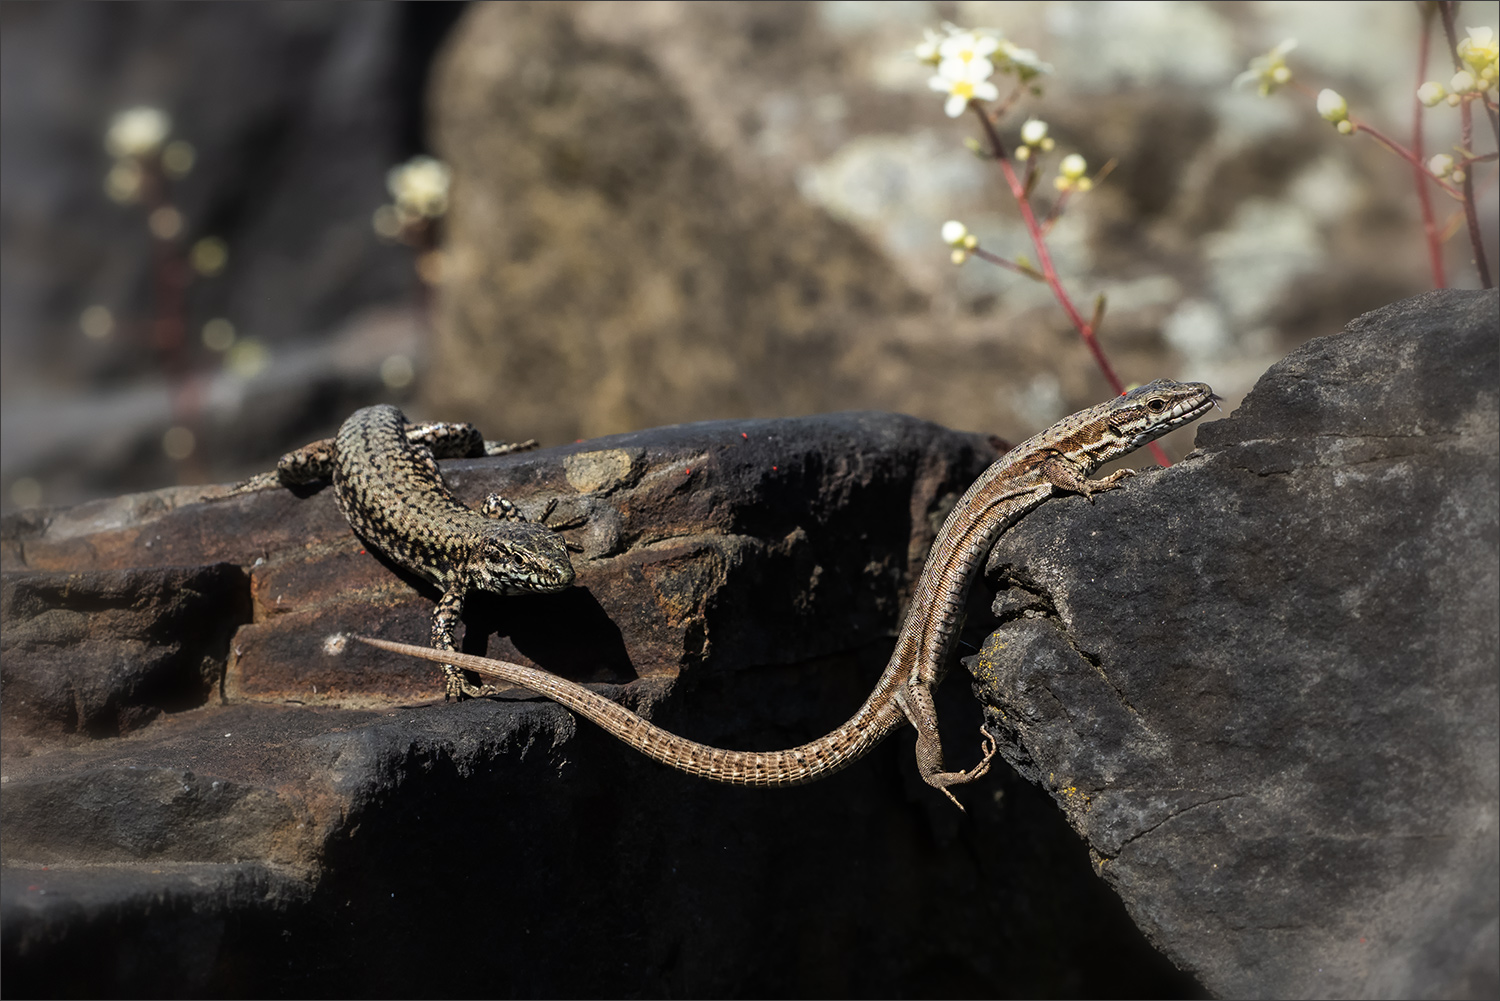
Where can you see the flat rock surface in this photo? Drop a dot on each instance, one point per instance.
(207, 792)
(1263, 685)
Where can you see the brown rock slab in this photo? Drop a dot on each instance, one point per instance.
(326, 825)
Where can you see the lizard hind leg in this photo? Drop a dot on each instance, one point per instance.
(453, 440)
(307, 464)
(916, 703)
(456, 684)
(447, 439)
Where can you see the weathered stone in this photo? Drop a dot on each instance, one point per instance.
(376, 840)
(679, 520)
(88, 923)
(577, 162)
(1263, 683)
(102, 652)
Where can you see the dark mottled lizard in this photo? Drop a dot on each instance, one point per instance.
(387, 484)
(1060, 458)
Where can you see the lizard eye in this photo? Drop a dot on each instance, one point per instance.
(1156, 405)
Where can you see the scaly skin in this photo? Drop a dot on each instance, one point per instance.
(1063, 457)
(386, 482)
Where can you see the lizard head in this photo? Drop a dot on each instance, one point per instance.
(521, 558)
(1142, 415)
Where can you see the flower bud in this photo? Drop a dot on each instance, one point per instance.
(1462, 82)
(1431, 93)
(954, 233)
(1033, 132)
(1073, 166)
(1332, 106)
(1440, 165)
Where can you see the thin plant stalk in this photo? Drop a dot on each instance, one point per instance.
(1044, 264)
(1466, 126)
(1419, 173)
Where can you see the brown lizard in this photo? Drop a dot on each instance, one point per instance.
(387, 485)
(1060, 458)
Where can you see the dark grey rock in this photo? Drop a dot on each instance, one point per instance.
(1263, 683)
(88, 922)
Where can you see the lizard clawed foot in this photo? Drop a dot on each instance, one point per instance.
(506, 448)
(456, 686)
(943, 780)
(1110, 482)
(989, 747)
(260, 481)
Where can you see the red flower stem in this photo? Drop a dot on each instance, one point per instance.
(1405, 154)
(1466, 125)
(1419, 173)
(1049, 272)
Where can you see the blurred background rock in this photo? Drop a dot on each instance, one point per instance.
(662, 212)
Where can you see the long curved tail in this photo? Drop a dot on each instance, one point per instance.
(794, 766)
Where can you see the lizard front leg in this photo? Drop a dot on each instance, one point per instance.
(500, 509)
(915, 700)
(1065, 475)
(444, 619)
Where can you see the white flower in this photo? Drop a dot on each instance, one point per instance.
(964, 82)
(1431, 93)
(1462, 82)
(137, 132)
(420, 186)
(967, 47)
(1269, 71)
(1481, 52)
(1025, 61)
(1034, 131)
(1332, 106)
(927, 48)
(1440, 165)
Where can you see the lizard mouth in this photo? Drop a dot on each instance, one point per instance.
(1183, 413)
(1193, 412)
